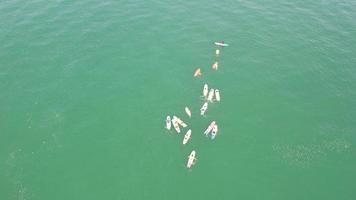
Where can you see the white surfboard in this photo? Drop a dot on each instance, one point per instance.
(175, 125)
(214, 131)
(204, 108)
(221, 44)
(187, 136)
(205, 90)
(168, 123)
(191, 159)
(188, 112)
(210, 127)
(211, 95)
(217, 95)
(179, 121)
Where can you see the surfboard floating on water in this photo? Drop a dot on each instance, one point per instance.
(179, 121)
(191, 159)
(221, 44)
(203, 108)
(210, 127)
(188, 112)
(205, 90)
(214, 131)
(217, 95)
(187, 136)
(211, 95)
(168, 122)
(175, 125)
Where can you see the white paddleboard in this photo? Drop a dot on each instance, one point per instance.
(168, 123)
(179, 121)
(187, 136)
(211, 95)
(175, 125)
(217, 95)
(191, 159)
(188, 112)
(221, 44)
(203, 108)
(205, 90)
(214, 131)
(210, 127)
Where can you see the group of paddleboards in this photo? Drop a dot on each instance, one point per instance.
(176, 122)
(209, 97)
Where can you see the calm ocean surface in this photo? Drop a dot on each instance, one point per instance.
(85, 87)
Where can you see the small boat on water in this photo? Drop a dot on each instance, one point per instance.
(188, 112)
(179, 121)
(210, 127)
(211, 95)
(187, 136)
(204, 108)
(205, 90)
(175, 125)
(168, 123)
(191, 159)
(214, 131)
(217, 95)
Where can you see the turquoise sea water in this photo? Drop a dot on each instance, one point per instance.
(86, 86)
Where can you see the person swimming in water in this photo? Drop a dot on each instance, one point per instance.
(197, 72)
(215, 66)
